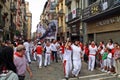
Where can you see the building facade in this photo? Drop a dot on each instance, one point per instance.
(61, 11)
(4, 20)
(102, 20)
(73, 19)
(29, 21)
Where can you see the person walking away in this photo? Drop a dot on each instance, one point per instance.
(47, 54)
(62, 46)
(109, 61)
(67, 60)
(21, 62)
(92, 54)
(86, 52)
(7, 66)
(54, 51)
(77, 55)
(39, 51)
(31, 49)
(27, 52)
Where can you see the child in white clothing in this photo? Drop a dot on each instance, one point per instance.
(109, 61)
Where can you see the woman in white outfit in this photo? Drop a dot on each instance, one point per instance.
(77, 54)
(92, 54)
(67, 62)
(47, 54)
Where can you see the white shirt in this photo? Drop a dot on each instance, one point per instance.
(53, 47)
(109, 56)
(76, 52)
(67, 54)
(110, 46)
(27, 46)
(92, 50)
(102, 52)
(48, 49)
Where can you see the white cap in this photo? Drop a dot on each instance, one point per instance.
(39, 43)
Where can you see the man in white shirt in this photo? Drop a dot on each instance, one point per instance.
(92, 54)
(77, 54)
(54, 50)
(27, 52)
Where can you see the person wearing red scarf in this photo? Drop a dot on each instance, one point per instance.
(92, 54)
(21, 62)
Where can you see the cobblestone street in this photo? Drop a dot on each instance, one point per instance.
(55, 72)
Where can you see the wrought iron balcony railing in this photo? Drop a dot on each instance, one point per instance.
(99, 7)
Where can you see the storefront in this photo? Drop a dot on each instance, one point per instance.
(102, 23)
(104, 29)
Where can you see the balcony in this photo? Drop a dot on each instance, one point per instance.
(101, 9)
(2, 22)
(13, 7)
(78, 12)
(70, 16)
(67, 2)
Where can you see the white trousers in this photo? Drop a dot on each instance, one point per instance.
(28, 56)
(76, 67)
(61, 56)
(67, 64)
(109, 63)
(91, 63)
(34, 56)
(39, 57)
(47, 59)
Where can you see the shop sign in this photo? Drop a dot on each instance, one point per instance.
(108, 21)
(92, 10)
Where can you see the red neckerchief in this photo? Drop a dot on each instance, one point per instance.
(92, 46)
(17, 54)
(69, 48)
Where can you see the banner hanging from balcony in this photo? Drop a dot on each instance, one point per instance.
(74, 13)
(47, 33)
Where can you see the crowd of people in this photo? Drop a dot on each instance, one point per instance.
(17, 56)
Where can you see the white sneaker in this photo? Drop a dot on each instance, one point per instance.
(108, 72)
(118, 76)
(103, 70)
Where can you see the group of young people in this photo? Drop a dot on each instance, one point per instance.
(18, 58)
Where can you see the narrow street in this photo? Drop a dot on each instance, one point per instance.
(55, 72)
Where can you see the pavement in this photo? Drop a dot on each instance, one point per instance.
(55, 72)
